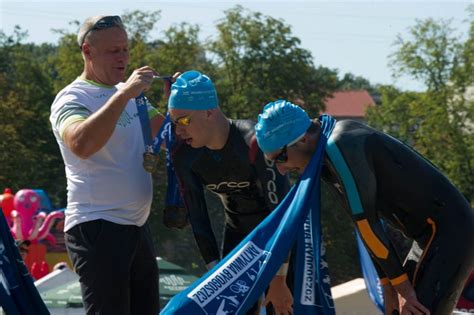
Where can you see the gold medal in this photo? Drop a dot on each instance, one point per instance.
(150, 162)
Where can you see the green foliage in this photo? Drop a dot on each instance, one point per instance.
(439, 122)
(180, 50)
(29, 156)
(431, 55)
(139, 24)
(67, 64)
(259, 61)
(352, 82)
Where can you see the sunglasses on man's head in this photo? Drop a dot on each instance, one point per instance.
(104, 23)
(107, 21)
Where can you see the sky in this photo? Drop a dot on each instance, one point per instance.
(350, 36)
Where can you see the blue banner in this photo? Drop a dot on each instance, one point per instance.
(311, 277)
(165, 133)
(236, 283)
(142, 109)
(371, 279)
(173, 198)
(18, 294)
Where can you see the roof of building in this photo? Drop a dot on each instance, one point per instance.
(349, 103)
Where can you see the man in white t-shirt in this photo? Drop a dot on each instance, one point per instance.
(96, 125)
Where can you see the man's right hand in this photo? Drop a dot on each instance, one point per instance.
(175, 217)
(390, 298)
(140, 80)
(409, 304)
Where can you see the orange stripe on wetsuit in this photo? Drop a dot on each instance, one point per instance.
(425, 251)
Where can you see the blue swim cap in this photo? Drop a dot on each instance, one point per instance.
(193, 90)
(280, 123)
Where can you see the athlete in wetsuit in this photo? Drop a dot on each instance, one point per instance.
(381, 179)
(248, 185)
(222, 156)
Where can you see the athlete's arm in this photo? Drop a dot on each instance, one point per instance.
(192, 193)
(275, 187)
(351, 157)
(376, 240)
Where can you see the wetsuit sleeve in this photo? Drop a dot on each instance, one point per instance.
(192, 193)
(336, 195)
(274, 185)
(382, 276)
(361, 189)
(382, 250)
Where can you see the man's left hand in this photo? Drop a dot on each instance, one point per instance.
(280, 296)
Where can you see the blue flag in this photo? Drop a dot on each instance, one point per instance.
(173, 198)
(236, 283)
(18, 294)
(371, 279)
(311, 277)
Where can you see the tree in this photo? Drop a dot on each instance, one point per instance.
(180, 50)
(67, 64)
(259, 61)
(29, 155)
(437, 122)
(139, 24)
(431, 55)
(352, 82)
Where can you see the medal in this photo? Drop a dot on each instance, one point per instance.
(150, 162)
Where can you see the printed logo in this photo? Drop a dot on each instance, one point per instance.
(271, 185)
(124, 119)
(174, 283)
(313, 292)
(228, 287)
(309, 269)
(101, 95)
(228, 185)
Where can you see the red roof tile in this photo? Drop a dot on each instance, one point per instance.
(349, 103)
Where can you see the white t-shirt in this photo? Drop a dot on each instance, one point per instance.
(111, 184)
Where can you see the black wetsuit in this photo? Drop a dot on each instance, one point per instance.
(394, 183)
(249, 186)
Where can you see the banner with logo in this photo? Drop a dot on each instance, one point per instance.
(18, 294)
(311, 277)
(236, 283)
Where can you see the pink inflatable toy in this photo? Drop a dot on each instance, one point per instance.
(27, 225)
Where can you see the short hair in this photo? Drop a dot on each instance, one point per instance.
(98, 22)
